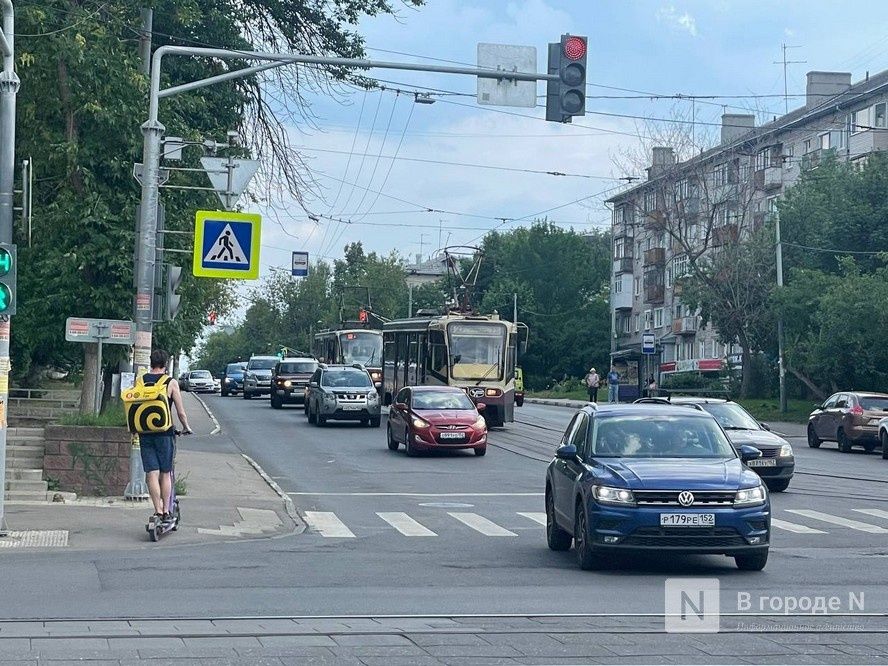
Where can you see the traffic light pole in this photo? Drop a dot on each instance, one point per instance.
(9, 85)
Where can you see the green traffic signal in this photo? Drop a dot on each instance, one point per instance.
(5, 297)
(5, 261)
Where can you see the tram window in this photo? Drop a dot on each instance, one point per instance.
(389, 349)
(436, 359)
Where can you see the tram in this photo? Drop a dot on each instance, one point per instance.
(476, 353)
(349, 346)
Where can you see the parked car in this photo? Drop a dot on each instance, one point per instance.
(290, 379)
(777, 464)
(342, 393)
(233, 378)
(849, 418)
(425, 418)
(654, 478)
(200, 381)
(883, 436)
(257, 376)
(217, 384)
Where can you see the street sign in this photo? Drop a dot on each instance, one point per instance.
(507, 58)
(109, 331)
(648, 344)
(300, 264)
(139, 170)
(226, 245)
(229, 177)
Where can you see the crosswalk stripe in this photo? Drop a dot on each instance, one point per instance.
(327, 524)
(405, 524)
(793, 527)
(878, 513)
(481, 524)
(838, 520)
(535, 517)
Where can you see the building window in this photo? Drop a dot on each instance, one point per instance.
(679, 266)
(702, 349)
(669, 280)
(720, 175)
(647, 320)
(860, 121)
(824, 141)
(638, 248)
(619, 244)
(637, 290)
(879, 115)
(658, 317)
(790, 150)
(650, 201)
(807, 146)
(618, 216)
(636, 318)
(761, 159)
(618, 286)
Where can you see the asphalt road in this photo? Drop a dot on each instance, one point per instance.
(446, 534)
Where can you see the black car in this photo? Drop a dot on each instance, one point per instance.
(289, 379)
(233, 378)
(777, 464)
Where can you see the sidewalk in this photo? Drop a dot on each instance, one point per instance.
(225, 498)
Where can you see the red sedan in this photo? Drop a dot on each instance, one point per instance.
(426, 418)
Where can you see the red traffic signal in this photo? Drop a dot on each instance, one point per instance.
(574, 47)
(566, 90)
(362, 316)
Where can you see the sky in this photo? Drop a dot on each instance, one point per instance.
(707, 48)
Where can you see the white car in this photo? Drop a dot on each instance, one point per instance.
(883, 437)
(200, 381)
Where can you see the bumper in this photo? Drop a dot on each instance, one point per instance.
(351, 415)
(430, 443)
(295, 394)
(784, 469)
(638, 529)
(202, 389)
(863, 433)
(233, 387)
(258, 388)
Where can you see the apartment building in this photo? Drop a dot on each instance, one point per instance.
(713, 199)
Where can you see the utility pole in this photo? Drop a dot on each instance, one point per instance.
(786, 62)
(781, 361)
(9, 86)
(147, 16)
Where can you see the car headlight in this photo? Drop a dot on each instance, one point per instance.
(420, 423)
(608, 495)
(287, 383)
(750, 496)
(786, 451)
(480, 423)
(228, 380)
(375, 376)
(372, 396)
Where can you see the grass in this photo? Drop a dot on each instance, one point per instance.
(768, 409)
(182, 484)
(112, 417)
(579, 394)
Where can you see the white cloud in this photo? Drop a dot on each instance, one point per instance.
(669, 14)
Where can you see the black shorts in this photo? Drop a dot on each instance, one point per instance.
(157, 452)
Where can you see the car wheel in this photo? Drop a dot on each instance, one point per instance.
(844, 442)
(276, 402)
(390, 439)
(813, 440)
(778, 486)
(884, 439)
(754, 561)
(375, 422)
(869, 447)
(224, 394)
(587, 558)
(411, 450)
(311, 415)
(247, 394)
(557, 538)
(481, 451)
(320, 419)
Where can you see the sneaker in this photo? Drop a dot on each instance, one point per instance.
(167, 518)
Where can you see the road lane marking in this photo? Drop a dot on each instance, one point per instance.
(405, 524)
(322, 494)
(327, 524)
(794, 527)
(535, 517)
(481, 524)
(878, 513)
(837, 520)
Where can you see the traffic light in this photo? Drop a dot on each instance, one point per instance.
(171, 298)
(566, 96)
(8, 268)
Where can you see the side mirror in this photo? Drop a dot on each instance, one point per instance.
(480, 406)
(765, 426)
(401, 406)
(748, 453)
(313, 384)
(569, 452)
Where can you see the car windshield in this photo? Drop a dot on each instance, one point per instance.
(441, 400)
(234, 368)
(659, 436)
(345, 379)
(262, 363)
(476, 350)
(201, 374)
(362, 347)
(298, 368)
(874, 403)
(731, 416)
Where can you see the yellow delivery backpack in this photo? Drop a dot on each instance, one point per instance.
(148, 407)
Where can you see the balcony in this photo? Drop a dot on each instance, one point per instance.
(653, 293)
(684, 326)
(725, 235)
(622, 265)
(624, 231)
(655, 220)
(769, 178)
(656, 256)
(621, 301)
(677, 288)
(815, 158)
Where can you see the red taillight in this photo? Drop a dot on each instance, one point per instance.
(574, 48)
(857, 410)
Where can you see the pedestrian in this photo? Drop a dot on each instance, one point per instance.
(613, 385)
(158, 448)
(592, 383)
(651, 387)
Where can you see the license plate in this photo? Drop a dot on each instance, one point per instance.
(687, 520)
(452, 435)
(351, 408)
(763, 462)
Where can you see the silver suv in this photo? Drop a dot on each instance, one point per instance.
(257, 376)
(342, 393)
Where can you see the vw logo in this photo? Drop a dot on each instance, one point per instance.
(686, 498)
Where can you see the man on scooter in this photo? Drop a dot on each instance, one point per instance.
(158, 448)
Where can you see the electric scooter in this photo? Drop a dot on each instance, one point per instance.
(156, 526)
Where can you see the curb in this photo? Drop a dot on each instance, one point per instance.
(289, 505)
(555, 402)
(217, 428)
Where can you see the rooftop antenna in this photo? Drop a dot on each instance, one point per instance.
(786, 62)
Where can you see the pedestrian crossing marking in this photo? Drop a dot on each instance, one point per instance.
(405, 524)
(327, 524)
(535, 517)
(794, 527)
(481, 524)
(837, 520)
(878, 513)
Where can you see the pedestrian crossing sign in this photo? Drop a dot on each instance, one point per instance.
(226, 245)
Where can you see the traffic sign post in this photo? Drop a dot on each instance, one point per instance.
(100, 331)
(229, 177)
(226, 245)
(300, 264)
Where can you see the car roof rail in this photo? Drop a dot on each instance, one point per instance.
(359, 366)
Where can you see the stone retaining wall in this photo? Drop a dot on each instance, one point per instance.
(86, 460)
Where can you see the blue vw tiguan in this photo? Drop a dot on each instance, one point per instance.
(654, 478)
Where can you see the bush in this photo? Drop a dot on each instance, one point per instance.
(697, 382)
(113, 417)
(568, 385)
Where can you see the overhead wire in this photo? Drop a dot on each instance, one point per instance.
(379, 154)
